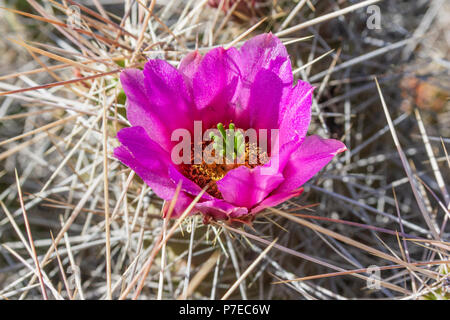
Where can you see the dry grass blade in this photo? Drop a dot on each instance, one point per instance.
(30, 239)
(201, 274)
(312, 62)
(62, 103)
(407, 168)
(350, 241)
(326, 17)
(314, 260)
(43, 128)
(248, 270)
(106, 195)
(336, 274)
(60, 83)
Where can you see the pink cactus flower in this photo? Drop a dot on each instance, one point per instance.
(242, 89)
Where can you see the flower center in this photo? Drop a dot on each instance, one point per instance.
(228, 143)
(227, 151)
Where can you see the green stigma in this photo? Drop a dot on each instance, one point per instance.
(229, 139)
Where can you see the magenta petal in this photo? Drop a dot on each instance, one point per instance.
(276, 199)
(189, 65)
(245, 187)
(169, 95)
(186, 184)
(147, 159)
(267, 74)
(220, 209)
(216, 85)
(265, 101)
(296, 113)
(312, 155)
(139, 109)
(265, 51)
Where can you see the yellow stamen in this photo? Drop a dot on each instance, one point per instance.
(208, 174)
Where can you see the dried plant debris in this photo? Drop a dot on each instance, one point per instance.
(75, 223)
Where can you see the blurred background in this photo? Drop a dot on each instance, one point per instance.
(387, 198)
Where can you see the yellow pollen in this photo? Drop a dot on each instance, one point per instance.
(206, 174)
